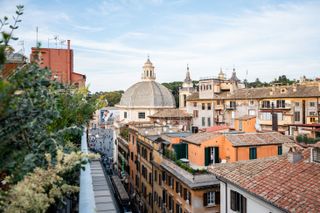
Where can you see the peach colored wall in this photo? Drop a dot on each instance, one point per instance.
(247, 125)
(196, 152)
(262, 152)
(227, 151)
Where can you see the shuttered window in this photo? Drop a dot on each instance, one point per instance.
(279, 150)
(252, 153)
(211, 155)
(238, 202)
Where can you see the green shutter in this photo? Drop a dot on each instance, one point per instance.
(207, 156)
(280, 150)
(252, 153)
(177, 150)
(216, 155)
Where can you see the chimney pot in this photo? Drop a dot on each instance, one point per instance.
(294, 155)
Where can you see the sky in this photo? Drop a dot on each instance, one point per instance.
(113, 38)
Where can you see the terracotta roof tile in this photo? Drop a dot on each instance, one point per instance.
(249, 139)
(171, 113)
(293, 187)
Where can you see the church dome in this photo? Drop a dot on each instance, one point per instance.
(148, 94)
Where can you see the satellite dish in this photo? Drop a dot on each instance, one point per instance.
(258, 126)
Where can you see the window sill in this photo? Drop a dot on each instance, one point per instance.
(211, 205)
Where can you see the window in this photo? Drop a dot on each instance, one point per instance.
(280, 150)
(170, 203)
(209, 121)
(252, 153)
(312, 113)
(297, 104)
(266, 116)
(203, 121)
(211, 198)
(238, 202)
(195, 113)
(232, 104)
(164, 177)
(195, 104)
(187, 195)
(265, 104)
(184, 100)
(251, 103)
(125, 115)
(141, 115)
(312, 104)
(211, 155)
(281, 104)
(203, 106)
(280, 116)
(219, 102)
(209, 106)
(178, 185)
(296, 116)
(178, 208)
(316, 154)
(164, 196)
(171, 181)
(312, 120)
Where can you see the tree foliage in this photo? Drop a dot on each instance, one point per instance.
(41, 123)
(111, 98)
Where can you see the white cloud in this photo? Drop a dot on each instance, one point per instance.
(268, 41)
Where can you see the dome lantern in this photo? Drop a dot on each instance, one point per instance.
(148, 71)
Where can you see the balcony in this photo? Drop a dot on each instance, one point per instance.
(287, 106)
(193, 180)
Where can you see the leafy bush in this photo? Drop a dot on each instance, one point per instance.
(172, 156)
(305, 139)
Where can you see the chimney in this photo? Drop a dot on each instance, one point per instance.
(68, 42)
(294, 155)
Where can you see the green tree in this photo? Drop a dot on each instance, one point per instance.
(39, 118)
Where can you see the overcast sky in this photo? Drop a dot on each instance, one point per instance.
(112, 38)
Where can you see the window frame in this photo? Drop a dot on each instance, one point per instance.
(141, 117)
(253, 155)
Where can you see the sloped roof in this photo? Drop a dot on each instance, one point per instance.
(273, 92)
(198, 138)
(265, 138)
(171, 113)
(193, 96)
(216, 128)
(292, 187)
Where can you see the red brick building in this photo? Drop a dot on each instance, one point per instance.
(60, 62)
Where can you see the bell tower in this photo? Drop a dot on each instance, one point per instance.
(186, 90)
(148, 71)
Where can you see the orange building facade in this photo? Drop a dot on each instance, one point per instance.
(158, 184)
(208, 148)
(60, 62)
